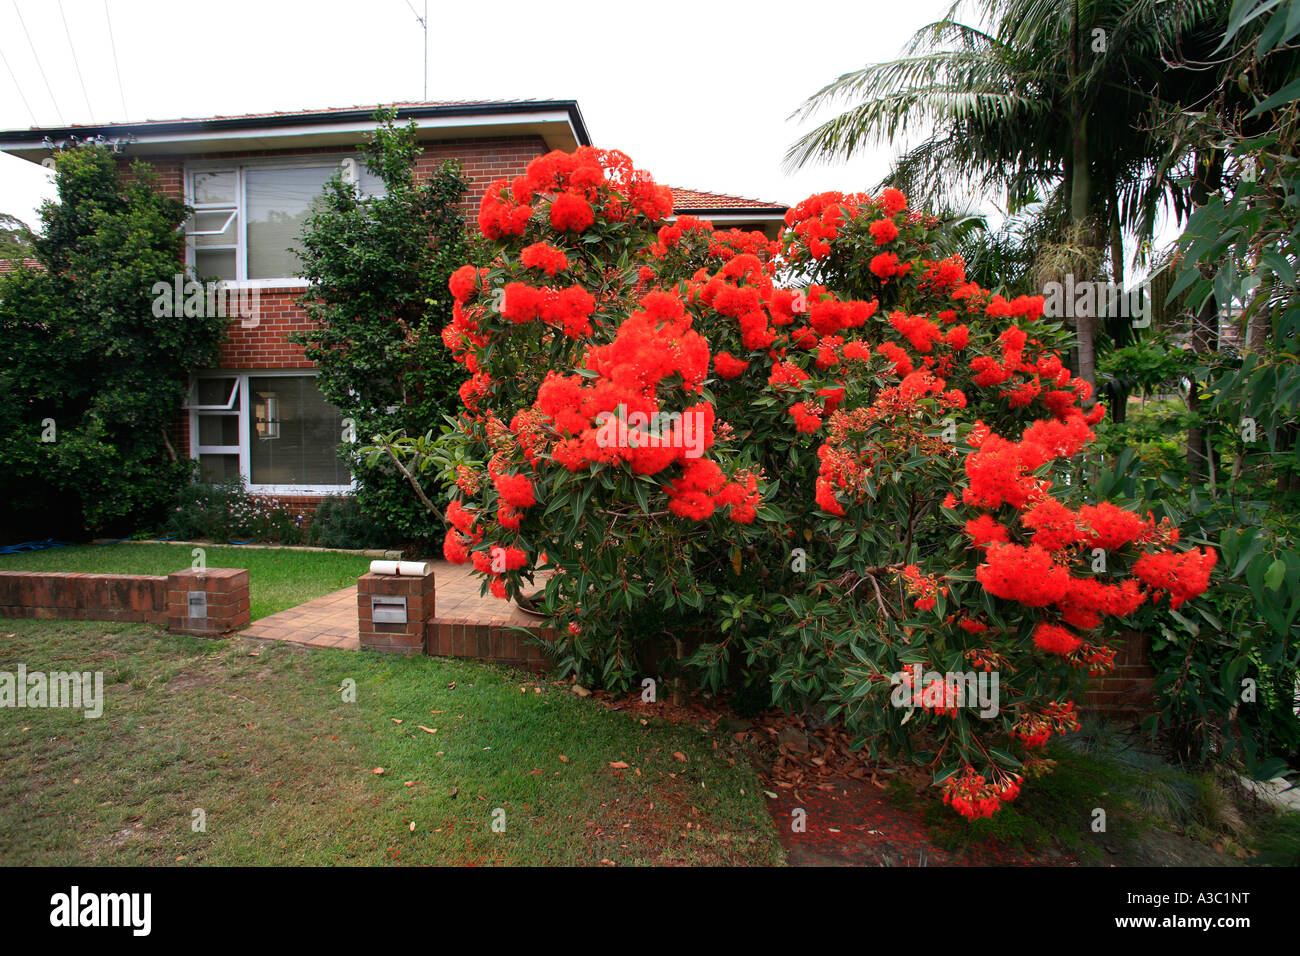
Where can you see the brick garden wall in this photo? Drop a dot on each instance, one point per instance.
(137, 598)
(141, 598)
(488, 642)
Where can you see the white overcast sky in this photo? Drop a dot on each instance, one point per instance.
(698, 93)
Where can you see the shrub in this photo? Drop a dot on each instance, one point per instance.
(851, 496)
(226, 511)
(90, 378)
(340, 522)
(379, 267)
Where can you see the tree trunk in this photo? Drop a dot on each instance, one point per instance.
(1205, 341)
(1080, 196)
(1205, 323)
(1123, 333)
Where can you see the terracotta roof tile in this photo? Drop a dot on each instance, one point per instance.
(11, 265)
(685, 200)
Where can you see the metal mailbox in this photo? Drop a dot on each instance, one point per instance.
(198, 603)
(385, 609)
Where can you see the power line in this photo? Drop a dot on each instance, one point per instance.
(57, 112)
(116, 69)
(18, 88)
(77, 63)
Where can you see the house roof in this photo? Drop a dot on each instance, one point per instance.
(11, 265)
(558, 122)
(697, 200)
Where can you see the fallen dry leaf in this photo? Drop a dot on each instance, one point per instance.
(563, 759)
(427, 730)
(619, 765)
(678, 755)
(377, 771)
(581, 691)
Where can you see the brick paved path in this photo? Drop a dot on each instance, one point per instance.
(331, 621)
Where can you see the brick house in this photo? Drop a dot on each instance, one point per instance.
(251, 180)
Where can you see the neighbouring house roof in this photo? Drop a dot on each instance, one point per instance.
(730, 212)
(558, 122)
(11, 265)
(696, 201)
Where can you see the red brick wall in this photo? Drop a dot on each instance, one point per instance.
(228, 605)
(1127, 692)
(139, 598)
(266, 345)
(498, 643)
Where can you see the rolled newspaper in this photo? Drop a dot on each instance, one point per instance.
(413, 569)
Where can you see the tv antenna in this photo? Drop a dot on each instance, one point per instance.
(424, 25)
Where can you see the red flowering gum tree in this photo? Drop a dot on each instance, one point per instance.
(827, 462)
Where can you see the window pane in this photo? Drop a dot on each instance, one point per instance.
(278, 202)
(371, 186)
(215, 263)
(294, 433)
(219, 430)
(218, 467)
(214, 187)
(216, 391)
(220, 228)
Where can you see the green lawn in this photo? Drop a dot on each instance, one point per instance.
(260, 738)
(278, 578)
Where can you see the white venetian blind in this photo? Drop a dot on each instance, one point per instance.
(278, 203)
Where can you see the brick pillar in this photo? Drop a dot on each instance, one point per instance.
(392, 636)
(225, 601)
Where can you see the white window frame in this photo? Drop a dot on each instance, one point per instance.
(239, 166)
(244, 448)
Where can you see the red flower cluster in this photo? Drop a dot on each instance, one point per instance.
(1182, 576)
(924, 587)
(1034, 729)
(703, 488)
(541, 255)
(1055, 639)
(973, 797)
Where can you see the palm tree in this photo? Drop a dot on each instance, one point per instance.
(1042, 98)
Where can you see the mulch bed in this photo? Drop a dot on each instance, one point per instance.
(848, 818)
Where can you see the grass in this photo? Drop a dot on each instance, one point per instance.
(260, 738)
(278, 578)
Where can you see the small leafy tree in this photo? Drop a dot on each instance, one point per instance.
(829, 464)
(1230, 676)
(15, 238)
(90, 377)
(379, 267)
